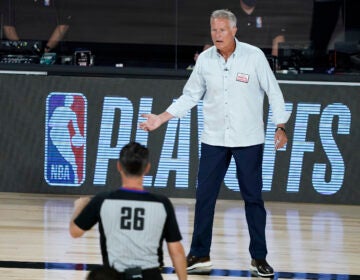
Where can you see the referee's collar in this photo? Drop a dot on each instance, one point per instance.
(124, 188)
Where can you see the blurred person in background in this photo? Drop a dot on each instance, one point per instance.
(44, 20)
(256, 26)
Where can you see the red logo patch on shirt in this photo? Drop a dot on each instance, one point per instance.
(240, 77)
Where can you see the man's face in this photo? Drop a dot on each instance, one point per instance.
(222, 34)
(249, 3)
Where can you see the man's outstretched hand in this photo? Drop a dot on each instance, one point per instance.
(152, 122)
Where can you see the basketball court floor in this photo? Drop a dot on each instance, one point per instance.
(305, 241)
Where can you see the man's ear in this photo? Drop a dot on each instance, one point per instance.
(234, 30)
(118, 166)
(147, 168)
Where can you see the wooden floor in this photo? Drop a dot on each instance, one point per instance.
(305, 241)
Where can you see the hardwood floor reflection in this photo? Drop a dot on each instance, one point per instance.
(305, 241)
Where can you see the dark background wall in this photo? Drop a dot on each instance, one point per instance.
(173, 22)
(319, 164)
(167, 34)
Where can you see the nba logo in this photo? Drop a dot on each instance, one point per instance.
(259, 23)
(65, 139)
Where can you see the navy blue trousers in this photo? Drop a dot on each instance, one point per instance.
(214, 162)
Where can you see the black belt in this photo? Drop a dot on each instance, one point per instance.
(138, 274)
(132, 273)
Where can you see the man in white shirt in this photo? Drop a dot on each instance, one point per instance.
(232, 78)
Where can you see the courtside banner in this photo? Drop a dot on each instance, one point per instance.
(63, 135)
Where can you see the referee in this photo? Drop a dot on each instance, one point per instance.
(132, 222)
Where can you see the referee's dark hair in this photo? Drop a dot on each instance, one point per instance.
(134, 159)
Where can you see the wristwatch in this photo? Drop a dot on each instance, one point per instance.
(281, 128)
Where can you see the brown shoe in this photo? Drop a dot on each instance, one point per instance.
(198, 262)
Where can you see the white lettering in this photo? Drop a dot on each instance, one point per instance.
(111, 138)
(300, 145)
(141, 135)
(60, 172)
(269, 156)
(172, 158)
(337, 164)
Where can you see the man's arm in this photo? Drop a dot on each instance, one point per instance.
(177, 255)
(57, 35)
(275, 44)
(79, 205)
(154, 121)
(10, 33)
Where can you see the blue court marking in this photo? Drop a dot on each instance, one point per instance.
(170, 270)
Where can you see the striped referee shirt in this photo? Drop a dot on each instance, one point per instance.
(132, 225)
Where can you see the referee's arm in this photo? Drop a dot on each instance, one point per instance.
(177, 255)
(79, 205)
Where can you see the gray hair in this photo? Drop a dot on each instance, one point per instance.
(224, 14)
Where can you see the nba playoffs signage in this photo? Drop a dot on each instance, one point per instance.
(72, 130)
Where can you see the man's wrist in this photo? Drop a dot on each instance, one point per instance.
(165, 116)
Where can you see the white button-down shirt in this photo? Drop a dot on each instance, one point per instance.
(233, 95)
